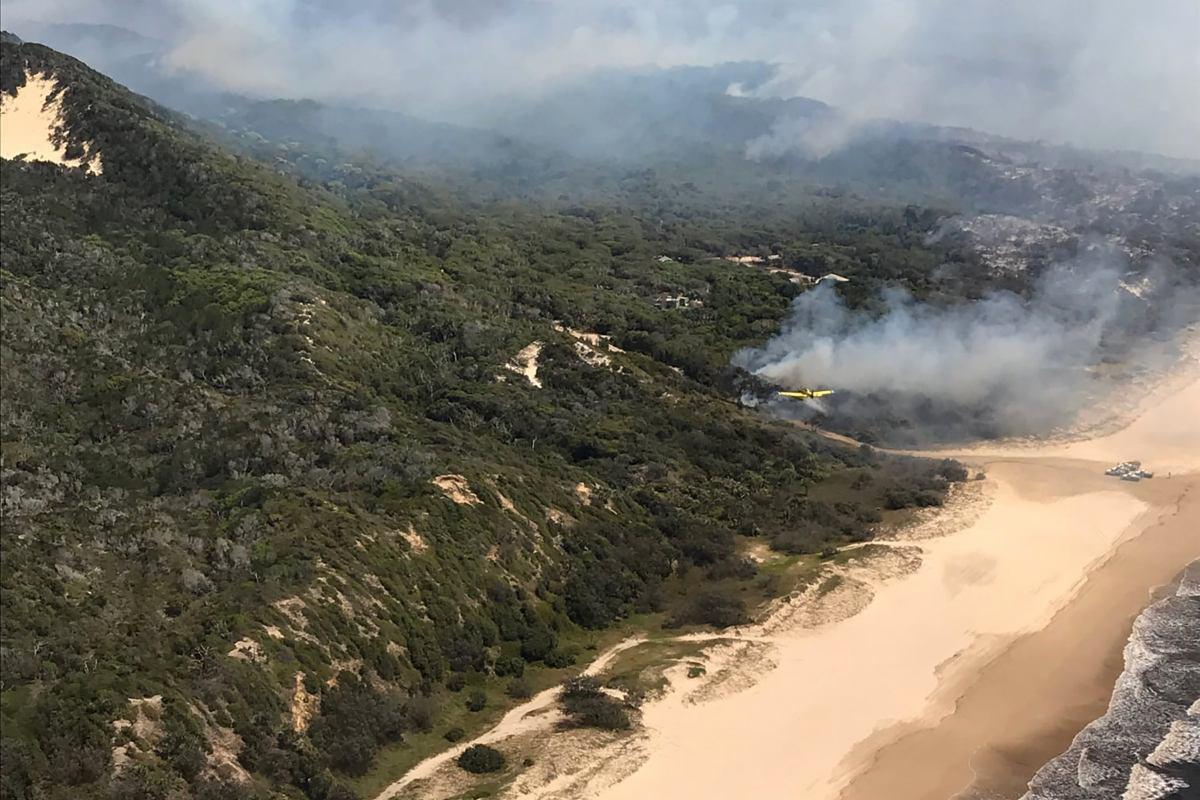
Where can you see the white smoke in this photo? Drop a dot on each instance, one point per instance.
(1022, 363)
(1107, 74)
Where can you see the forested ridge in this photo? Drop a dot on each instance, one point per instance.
(274, 497)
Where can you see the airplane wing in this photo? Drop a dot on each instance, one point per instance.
(807, 394)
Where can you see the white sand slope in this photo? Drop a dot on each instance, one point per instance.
(526, 363)
(31, 120)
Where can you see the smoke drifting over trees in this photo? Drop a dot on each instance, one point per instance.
(1096, 74)
(1004, 365)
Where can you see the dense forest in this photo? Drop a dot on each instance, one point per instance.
(282, 491)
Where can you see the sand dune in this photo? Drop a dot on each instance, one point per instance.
(31, 122)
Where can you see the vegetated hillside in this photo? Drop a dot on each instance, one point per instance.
(279, 477)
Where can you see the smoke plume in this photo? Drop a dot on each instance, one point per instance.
(1003, 365)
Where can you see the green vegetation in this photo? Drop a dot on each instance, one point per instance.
(480, 759)
(263, 455)
(639, 671)
(586, 704)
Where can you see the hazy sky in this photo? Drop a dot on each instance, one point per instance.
(1108, 73)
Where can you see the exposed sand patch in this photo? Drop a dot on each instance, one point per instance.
(247, 650)
(592, 348)
(457, 489)
(537, 714)
(31, 125)
(526, 363)
(415, 540)
(144, 726)
(224, 746)
(304, 705)
(591, 356)
(293, 609)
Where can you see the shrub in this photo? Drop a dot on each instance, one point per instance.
(519, 688)
(510, 665)
(455, 734)
(952, 470)
(742, 568)
(587, 705)
(712, 607)
(479, 759)
(355, 719)
(559, 659)
(456, 682)
(420, 712)
(476, 700)
(537, 643)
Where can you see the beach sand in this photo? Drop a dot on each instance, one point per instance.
(991, 730)
(977, 666)
(962, 655)
(987, 732)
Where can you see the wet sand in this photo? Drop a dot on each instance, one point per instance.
(1025, 706)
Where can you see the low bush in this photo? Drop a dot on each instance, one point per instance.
(711, 607)
(585, 704)
(479, 759)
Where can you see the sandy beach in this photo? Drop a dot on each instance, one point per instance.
(1022, 612)
(954, 665)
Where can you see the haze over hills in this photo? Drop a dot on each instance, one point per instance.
(331, 431)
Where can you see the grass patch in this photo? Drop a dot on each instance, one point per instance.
(641, 669)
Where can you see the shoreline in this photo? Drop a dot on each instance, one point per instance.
(1013, 714)
(838, 685)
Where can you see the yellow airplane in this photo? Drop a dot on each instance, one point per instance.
(807, 394)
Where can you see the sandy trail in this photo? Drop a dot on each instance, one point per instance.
(537, 712)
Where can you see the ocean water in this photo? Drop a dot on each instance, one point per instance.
(1147, 745)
